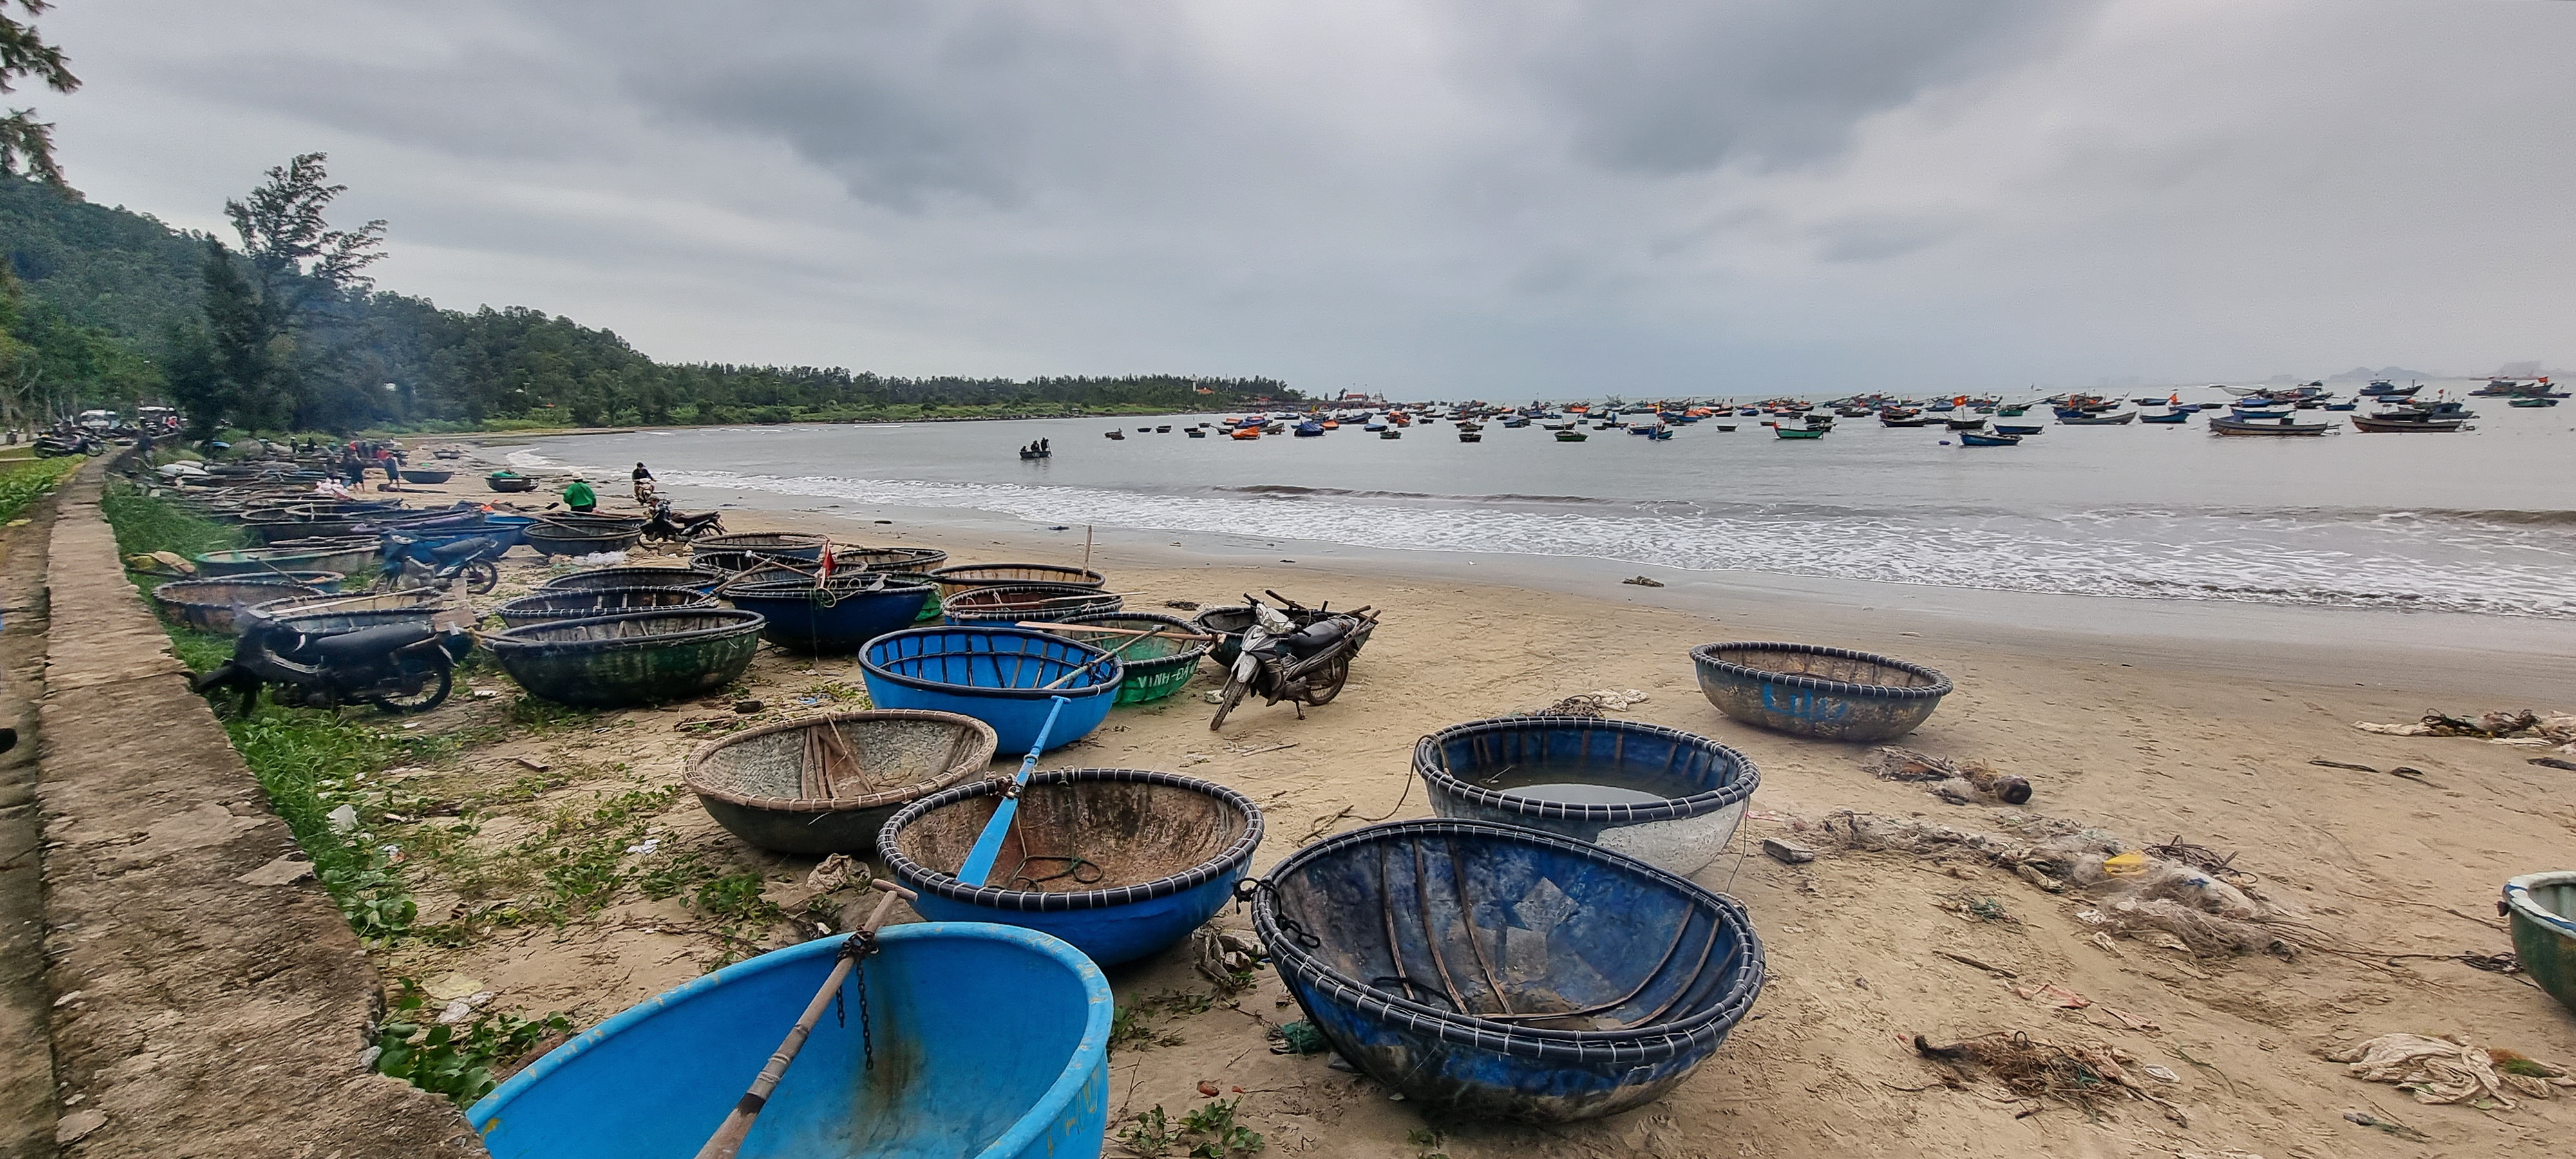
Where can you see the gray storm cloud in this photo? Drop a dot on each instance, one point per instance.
(1512, 197)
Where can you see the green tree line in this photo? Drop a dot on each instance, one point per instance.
(279, 329)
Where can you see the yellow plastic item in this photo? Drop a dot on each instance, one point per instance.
(2125, 865)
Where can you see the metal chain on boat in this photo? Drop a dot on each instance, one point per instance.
(1246, 889)
(860, 944)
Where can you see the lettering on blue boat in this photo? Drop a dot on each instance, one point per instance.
(1803, 705)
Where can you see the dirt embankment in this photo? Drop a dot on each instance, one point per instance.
(206, 1001)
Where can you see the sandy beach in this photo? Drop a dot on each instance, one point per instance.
(2149, 720)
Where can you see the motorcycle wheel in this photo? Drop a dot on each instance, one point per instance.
(1234, 690)
(441, 681)
(481, 577)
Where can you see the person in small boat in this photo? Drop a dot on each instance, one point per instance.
(644, 487)
(578, 496)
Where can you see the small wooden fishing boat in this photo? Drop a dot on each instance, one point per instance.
(2529, 403)
(2093, 419)
(632, 658)
(1966, 424)
(1245, 434)
(1117, 434)
(1658, 434)
(1904, 421)
(1725, 426)
(1694, 789)
(426, 475)
(1788, 432)
(1495, 972)
(2282, 426)
(1028, 453)
(1811, 690)
(1121, 863)
(2541, 909)
(954, 1039)
(2402, 421)
(953, 580)
(447, 453)
(509, 481)
(1571, 436)
(2018, 429)
(2012, 412)
(1470, 437)
(1001, 676)
(826, 784)
(1195, 432)
(1390, 433)
(1164, 429)
(1982, 439)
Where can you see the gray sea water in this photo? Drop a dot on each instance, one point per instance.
(2475, 522)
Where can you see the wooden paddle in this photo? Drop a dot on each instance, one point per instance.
(728, 1137)
(988, 845)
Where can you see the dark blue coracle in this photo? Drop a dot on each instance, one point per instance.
(997, 675)
(1494, 971)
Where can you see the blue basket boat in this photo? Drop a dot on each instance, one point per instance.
(988, 1041)
(1812, 690)
(1491, 971)
(834, 619)
(1683, 794)
(996, 675)
(1120, 862)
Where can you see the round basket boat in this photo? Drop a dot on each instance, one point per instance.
(328, 616)
(1812, 690)
(509, 483)
(1002, 604)
(588, 603)
(208, 605)
(1227, 622)
(1691, 791)
(631, 659)
(426, 475)
(834, 619)
(997, 675)
(634, 577)
(1120, 862)
(552, 537)
(888, 559)
(365, 602)
(732, 553)
(322, 581)
(1491, 971)
(933, 608)
(2542, 910)
(953, 580)
(343, 556)
(986, 1040)
(1157, 666)
(826, 784)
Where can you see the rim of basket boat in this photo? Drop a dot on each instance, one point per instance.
(1940, 686)
(1150, 663)
(694, 577)
(748, 622)
(1660, 1040)
(805, 587)
(1236, 854)
(957, 575)
(2517, 896)
(1116, 669)
(737, 540)
(527, 605)
(691, 770)
(1437, 774)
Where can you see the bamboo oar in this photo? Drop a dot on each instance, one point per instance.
(988, 845)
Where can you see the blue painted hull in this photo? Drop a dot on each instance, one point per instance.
(833, 626)
(996, 675)
(989, 1041)
(1108, 936)
(1829, 709)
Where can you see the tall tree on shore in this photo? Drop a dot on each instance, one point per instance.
(27, 144)
(282, 316)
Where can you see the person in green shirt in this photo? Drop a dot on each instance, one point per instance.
(580, 497)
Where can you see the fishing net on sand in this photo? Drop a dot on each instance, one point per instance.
(2087, 1075)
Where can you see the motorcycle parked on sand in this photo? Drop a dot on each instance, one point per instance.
(412, 563)
(668, 526)
(407, 666)
(1283, 661)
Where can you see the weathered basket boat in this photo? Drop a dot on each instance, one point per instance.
(826, 784)
(1492, 971)
(2542, 910)
(1119, 862)
(554, 537)
(1227, 622)
(322, 581)
(508, 482)
(426, 475)
(1689, 792)
(327, 615)
(997, 675)
(1012, 603)
(1157, 666)
(589, 603)
(365, 601)
(953, 580)
(990, 1041)
(208, 605)
(933, 608)
(635, 577)
(732, 553)
(630, 659)
(833, 619)
(888, 559)
(343, 556)
(1812, 690)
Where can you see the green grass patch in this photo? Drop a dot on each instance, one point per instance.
(315, 764)
(23, 483)
(148, 523)
(454, 1060)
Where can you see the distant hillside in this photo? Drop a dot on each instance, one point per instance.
(123, 272)
(106, 289)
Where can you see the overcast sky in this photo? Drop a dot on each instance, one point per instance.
(1482, 196)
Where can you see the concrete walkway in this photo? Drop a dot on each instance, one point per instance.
(203, 1005)
(26, 1049)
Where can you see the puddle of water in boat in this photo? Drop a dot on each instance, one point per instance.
(1576, 783)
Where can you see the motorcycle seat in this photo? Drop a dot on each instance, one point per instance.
(462, 549)
(367, 643)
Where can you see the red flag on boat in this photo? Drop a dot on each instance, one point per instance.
(827, 561)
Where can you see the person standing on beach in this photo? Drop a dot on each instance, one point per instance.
(643, 487)
(580, 497)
